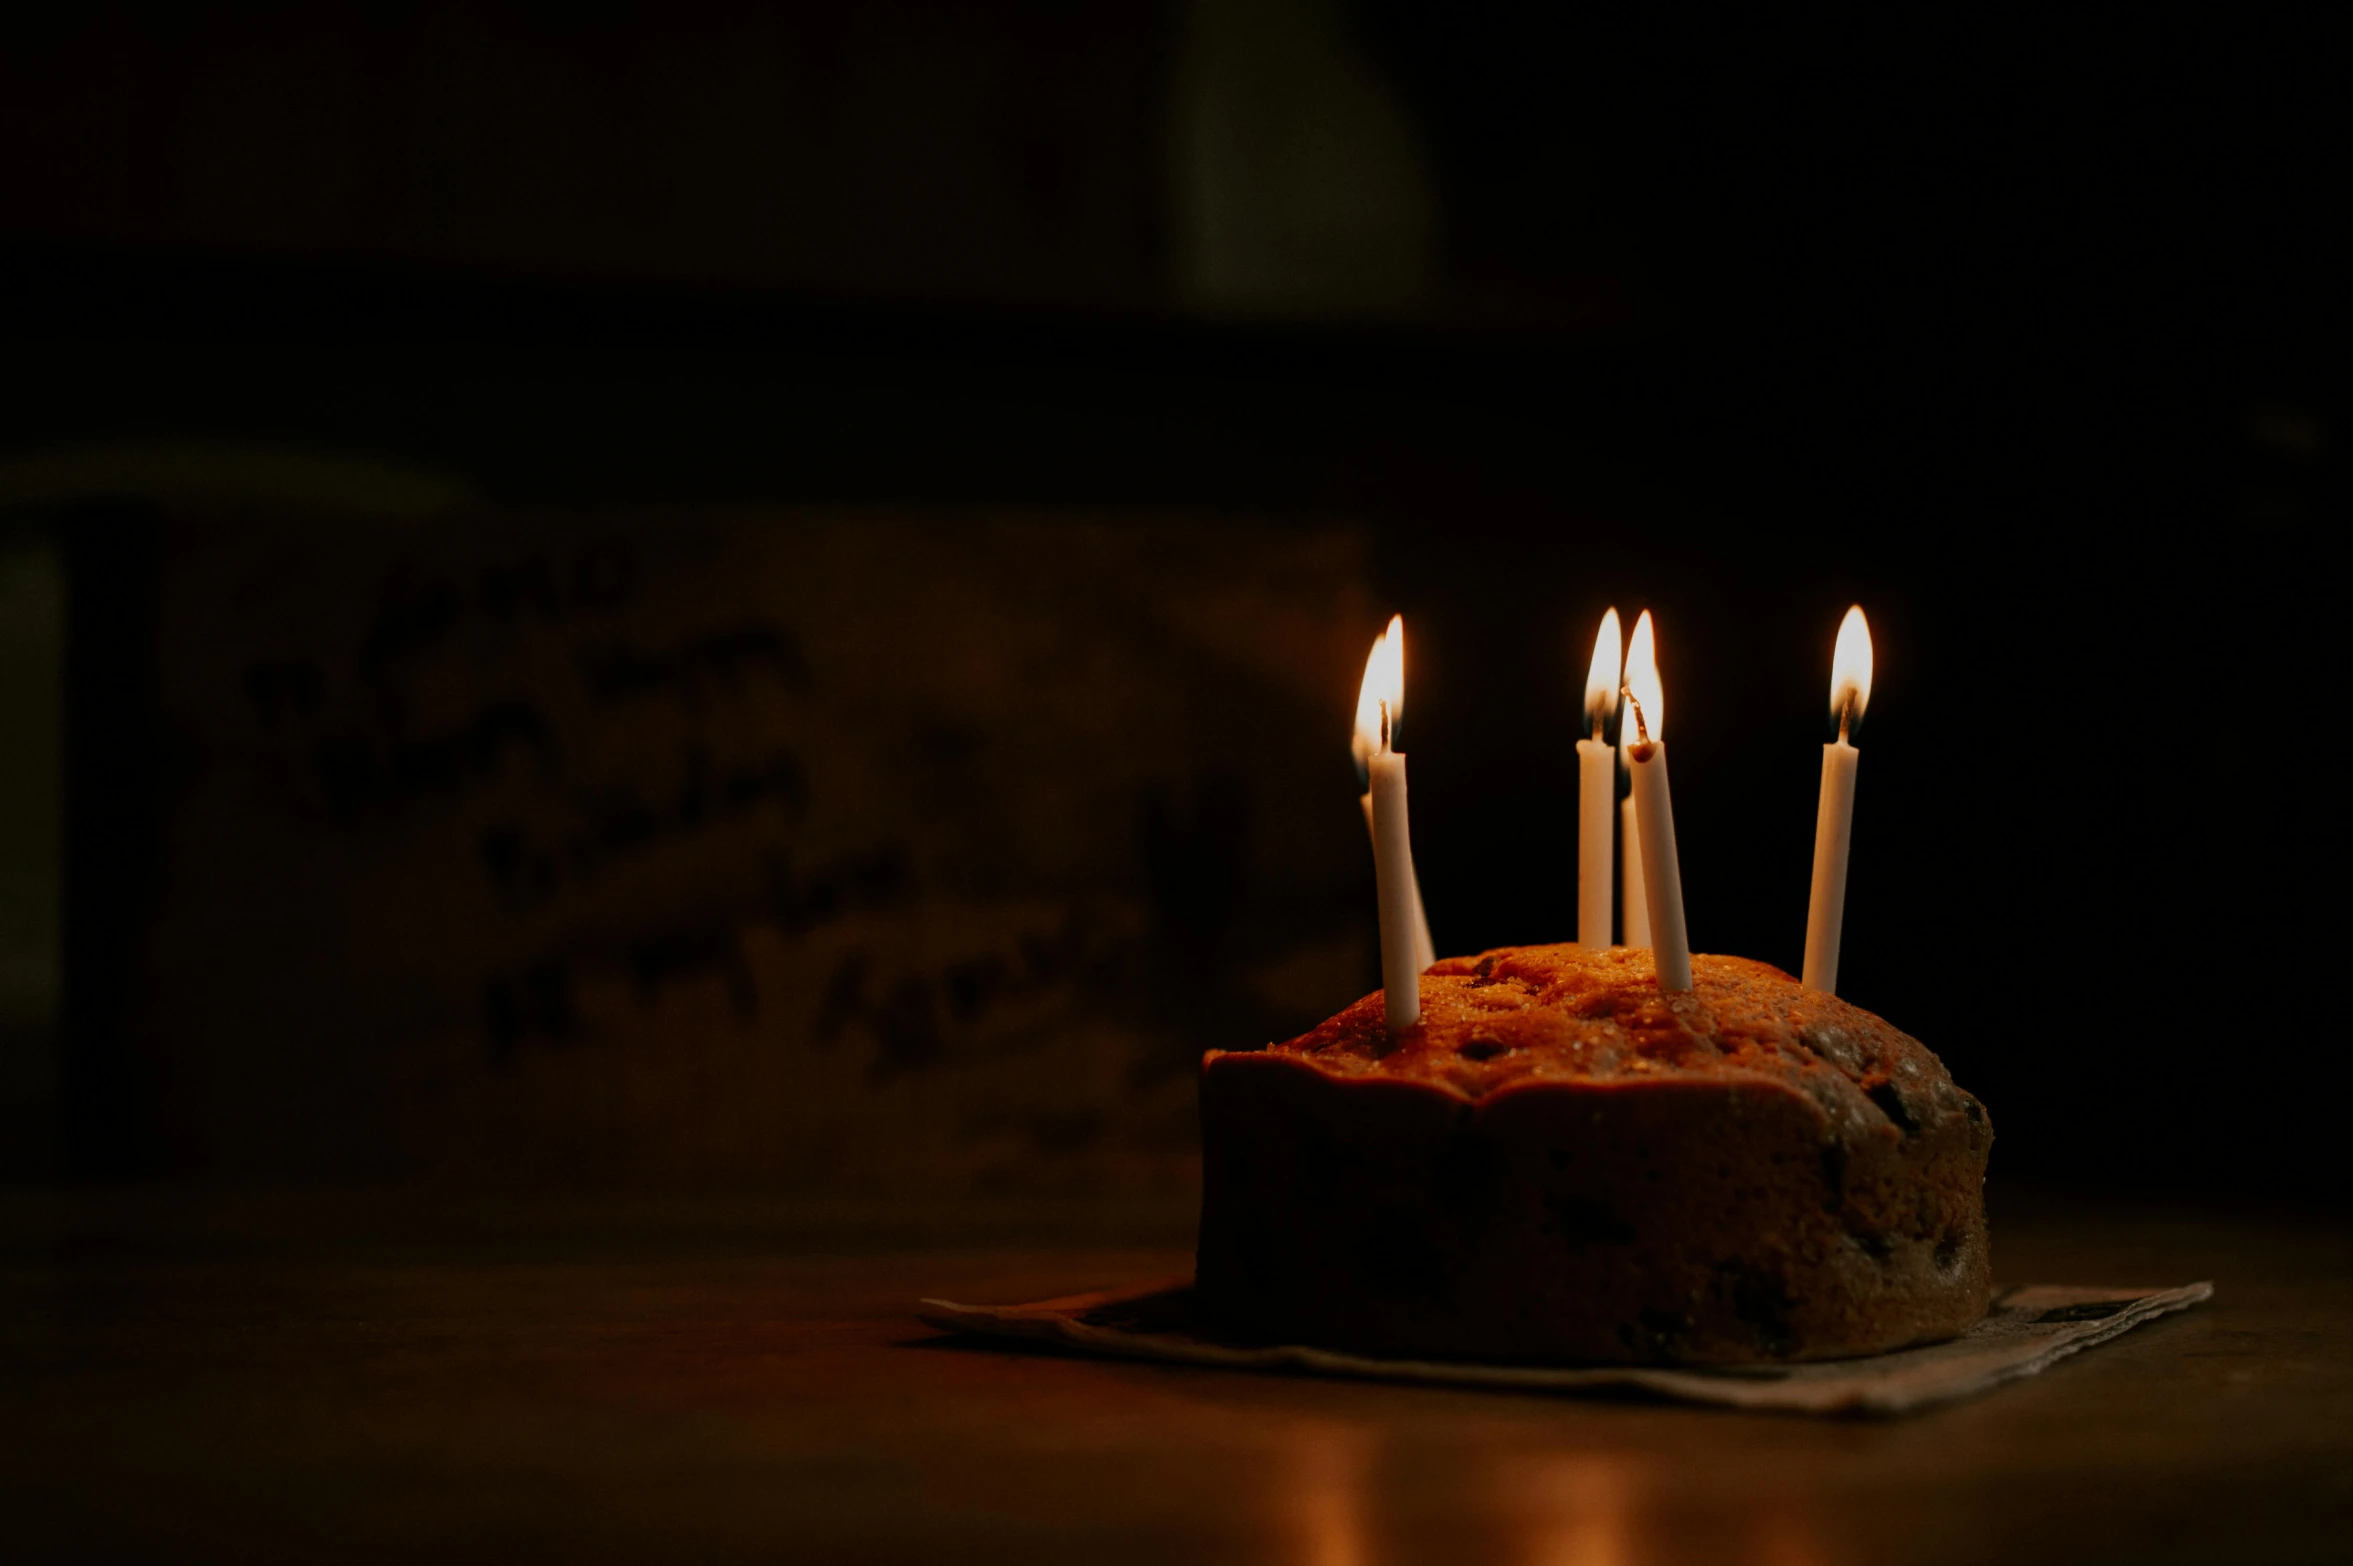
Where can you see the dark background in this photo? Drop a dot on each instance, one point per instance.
(2030, 338)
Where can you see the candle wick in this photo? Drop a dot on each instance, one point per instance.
(1641, 728)
(1597, 722)
(1384, 728)
(1846, 713)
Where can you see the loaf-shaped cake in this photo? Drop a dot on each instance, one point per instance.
(1561, 1163)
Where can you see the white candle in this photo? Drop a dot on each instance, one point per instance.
(1425, 953)
(1633, 905)
(1850, 692)
(1597, 789)
(1401, 958)
(1366, 742)
(1654, 811)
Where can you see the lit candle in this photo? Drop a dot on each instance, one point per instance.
(1401, 937)
(1654, 810)
(1366, 743)
(1597, 789)
(1850, 692)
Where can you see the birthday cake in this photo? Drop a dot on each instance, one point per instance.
(1559, 1162)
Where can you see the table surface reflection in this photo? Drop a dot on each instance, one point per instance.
(309, 1378)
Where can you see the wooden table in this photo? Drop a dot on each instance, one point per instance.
(334, 1379)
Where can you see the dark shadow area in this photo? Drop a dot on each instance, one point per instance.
(2026, 338)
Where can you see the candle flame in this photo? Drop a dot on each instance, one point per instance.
(1384, 681)
(1601, 679)
(1850, 671)
(1642, 681)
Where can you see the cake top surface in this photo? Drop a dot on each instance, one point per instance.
(1532, 1014)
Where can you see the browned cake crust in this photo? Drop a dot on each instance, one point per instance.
(1558, 1162)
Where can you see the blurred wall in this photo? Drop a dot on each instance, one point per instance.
(2028, 337)
(32, 641)
(998, 150)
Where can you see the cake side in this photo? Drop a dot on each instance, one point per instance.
(1579, 1168)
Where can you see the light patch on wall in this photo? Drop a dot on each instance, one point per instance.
(1298, 184)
